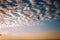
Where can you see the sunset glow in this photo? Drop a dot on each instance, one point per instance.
(29, 19)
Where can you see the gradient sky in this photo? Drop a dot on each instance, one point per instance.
(35, 27)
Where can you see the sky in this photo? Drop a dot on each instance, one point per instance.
(31, 17)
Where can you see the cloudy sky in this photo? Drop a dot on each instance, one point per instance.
(29, 17)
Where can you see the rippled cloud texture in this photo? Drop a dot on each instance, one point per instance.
(29, 16)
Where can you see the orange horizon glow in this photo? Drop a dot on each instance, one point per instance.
(33, 36)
